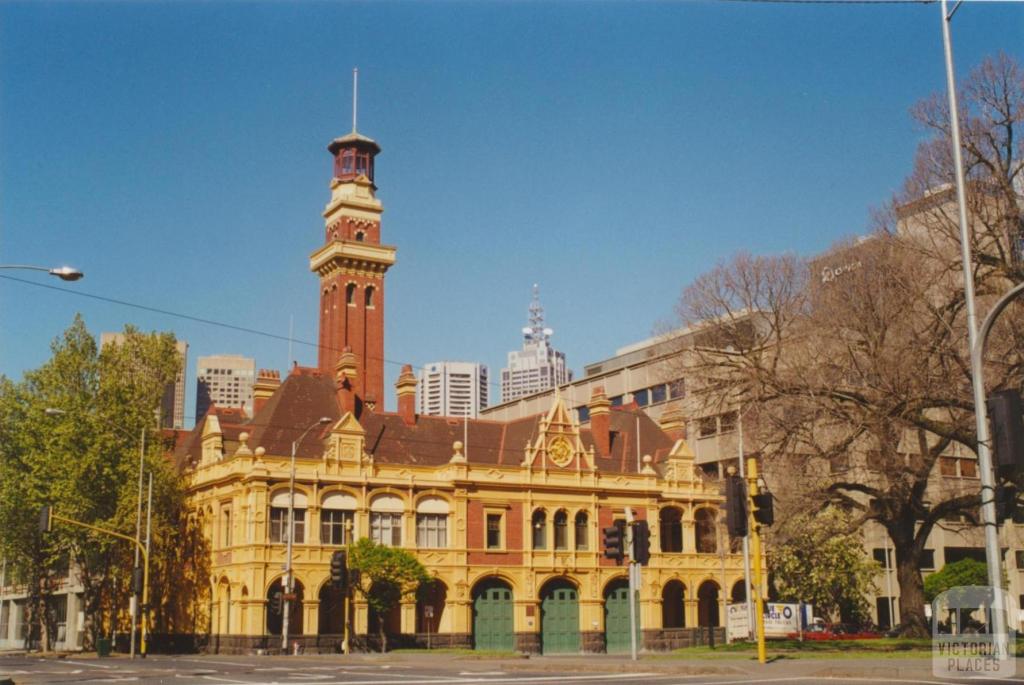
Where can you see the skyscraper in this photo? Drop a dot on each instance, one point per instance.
(452, 389)
(225, 380)
(172, 404)
(538, 366)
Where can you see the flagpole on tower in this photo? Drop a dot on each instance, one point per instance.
(355, 96)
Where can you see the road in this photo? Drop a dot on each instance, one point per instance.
(414, 669)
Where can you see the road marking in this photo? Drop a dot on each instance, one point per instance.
(220, 679)
(212, 661)
(449, 680)
(86, 663)
(818, 679)
(482, 673)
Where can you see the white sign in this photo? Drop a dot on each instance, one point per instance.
(737, 625)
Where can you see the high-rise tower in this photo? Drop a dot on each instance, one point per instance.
(351, 266)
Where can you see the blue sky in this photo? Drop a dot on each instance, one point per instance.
(610, 152)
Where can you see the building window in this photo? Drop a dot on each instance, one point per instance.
(369, 296)
(350, 294)
(670, 522)
(278, 524)
(561, 530)
(225, 525)
(677, 389)
(707, 426)
(947, 466)
(581, 531)
(494, 531)
(386, 528)
(616, 401)
(431, 530)
(728, 422)
(879, 553)
(927, 558)
(346, 161)
(1018, 556)
(5, 619)
(334, 524)
(642, 397)
(584, 413)
(706, 533)
(540, 529)
(968, 468)
(657, 394)
(359, 236)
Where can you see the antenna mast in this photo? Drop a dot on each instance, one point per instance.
(355, 96)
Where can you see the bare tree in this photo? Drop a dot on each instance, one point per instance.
(858, 360)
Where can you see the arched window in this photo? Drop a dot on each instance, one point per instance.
(279, 516)
(561, 530)
(539, 525)
(386, 520)
(350, 294)
(707, 537)
(432, 522)
(337, 520)
(581, 530)
(673, 603)
(360, 235)
(369, 296)
(670, 521)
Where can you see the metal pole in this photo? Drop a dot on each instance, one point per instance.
(288, 554)
(145, 573)
(756, 545)
(746, 539)
(888, 583)
(627, 544)
(988, 507)
(134, 601)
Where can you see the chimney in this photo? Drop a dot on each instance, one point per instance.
(345, 380)
(267, 383)
(673, 422)
(406, 387)
(600, 421)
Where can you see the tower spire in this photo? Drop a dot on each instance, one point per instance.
(537, 332)
(355, 96)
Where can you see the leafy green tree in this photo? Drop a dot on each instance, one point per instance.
(815, 558)
(955, 574)
(84, 463)
(387, 575)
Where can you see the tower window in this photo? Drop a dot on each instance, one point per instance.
(346, 161)
(369, 296)
(360, 235)
(350, 294)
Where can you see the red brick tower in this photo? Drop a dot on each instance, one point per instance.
(351, 266)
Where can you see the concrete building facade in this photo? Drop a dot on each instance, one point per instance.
(225, 380)
(538, 365)
(452, 389)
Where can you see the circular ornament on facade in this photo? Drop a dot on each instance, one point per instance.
(560, 451)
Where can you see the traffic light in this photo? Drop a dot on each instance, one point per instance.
(339, 569)
(44, 519)
(276, 602)
(614, 541)
(736, 506)
(1004, 408)
(138, 581)
(764, 510)
(641, 542)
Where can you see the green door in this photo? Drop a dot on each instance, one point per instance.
(616, 618)
(559, 619)
(492, 617)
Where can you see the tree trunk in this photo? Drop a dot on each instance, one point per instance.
(383, 638)
(913, 622)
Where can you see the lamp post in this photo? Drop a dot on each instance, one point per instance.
(134, 602)
(65, 273)
(985, 472)
(290, 533)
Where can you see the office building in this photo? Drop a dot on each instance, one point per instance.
(225, 380)
(452, 389)
(537, 366)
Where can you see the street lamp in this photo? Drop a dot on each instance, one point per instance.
(288, 584)
(65, 273)
(134, 606)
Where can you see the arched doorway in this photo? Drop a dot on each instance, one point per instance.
(430, 607)
(391, 622)
(331, 619)
(559, 617)
(492, 615)
(223, 621)
(739, 591)
(707, 604)
(616, 617)
(673, 605)
(275, 619)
